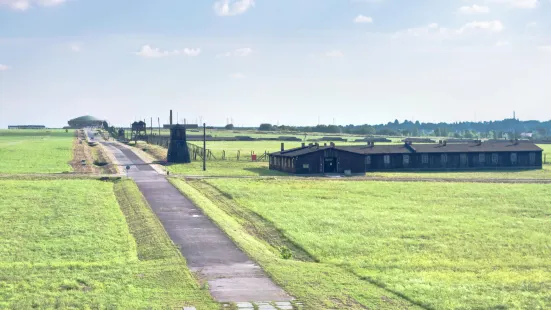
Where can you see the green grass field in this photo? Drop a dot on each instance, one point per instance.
(86, 244)
(544, 173)
(35, 151)
(434, 245)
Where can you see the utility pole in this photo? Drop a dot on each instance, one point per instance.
(159, 124)
(204, 147)
(151, 131)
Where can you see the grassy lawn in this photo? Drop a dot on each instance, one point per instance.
(434, 245)
(35, 151)
(544, 173)
(86, 244)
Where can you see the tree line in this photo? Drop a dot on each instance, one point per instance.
(507, 128)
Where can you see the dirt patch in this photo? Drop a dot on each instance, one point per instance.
(90, 159)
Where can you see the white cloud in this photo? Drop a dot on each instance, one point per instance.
(237, 75)
(546, 48)
(75, 47)
(334, 53)
(531, 24)
(192, 52)
(435, 31)
(232, 7)
(430, 30)
(361, 19)
(23, 5)
(149, 52)
(3, 67)
(473, 9)
(240, 52)
(502, 43)
(519, 4)
(487, 26)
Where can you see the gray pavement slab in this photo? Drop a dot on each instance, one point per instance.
(209, 252)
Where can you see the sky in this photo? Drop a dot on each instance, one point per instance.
(292, 62)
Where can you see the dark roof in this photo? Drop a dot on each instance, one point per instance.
(86, 118)
(376, 149)
(301, 151)
(476, 148)
(418, 148)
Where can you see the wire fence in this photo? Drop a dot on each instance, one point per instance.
(197, 153)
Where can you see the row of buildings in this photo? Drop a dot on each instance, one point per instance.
(317, 159)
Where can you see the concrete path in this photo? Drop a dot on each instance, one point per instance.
(231, 275)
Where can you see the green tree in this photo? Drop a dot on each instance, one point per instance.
(266, 127)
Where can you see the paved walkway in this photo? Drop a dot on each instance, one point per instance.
(231, 275)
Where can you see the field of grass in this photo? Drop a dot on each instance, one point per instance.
(87, 244)
(544, 173)
(35, 151)
(434, 245)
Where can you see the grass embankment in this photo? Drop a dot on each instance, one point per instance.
(66, 244)
(438, 245)
(35, 151)
(318, 285)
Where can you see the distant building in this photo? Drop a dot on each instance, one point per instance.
(526, 135)
(26, 127)
(187, 126)
(316, 159)
(85, 121)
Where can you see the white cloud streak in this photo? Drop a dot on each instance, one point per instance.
(75, 47)
(3, 67)
(473, 9)
(23, 5)
(435, 31)
(546, 48)
(488, 26)
(237, 75)
(150, 52)
(240, 52)
(518, 4)
(361, 19)
(232, 7)
(502, 43)
(334, 53)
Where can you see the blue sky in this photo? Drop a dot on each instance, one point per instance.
(284, 61)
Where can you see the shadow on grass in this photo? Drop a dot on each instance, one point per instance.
(265, 172)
